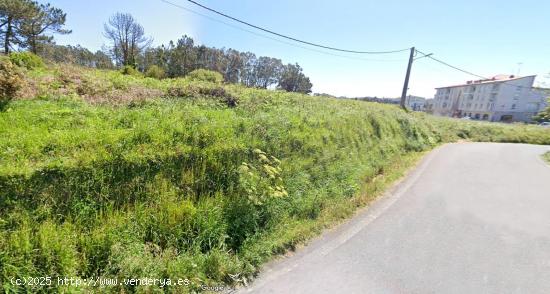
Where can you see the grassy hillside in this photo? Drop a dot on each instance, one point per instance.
(111, 175)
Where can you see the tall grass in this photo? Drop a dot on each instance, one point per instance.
(179, 183)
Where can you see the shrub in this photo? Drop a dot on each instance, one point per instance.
(155, 72)
(206, 76)
(208, 92)
(27, 60)
(544, 115)
(219, 92)
(129, 70)
(179, 91)
(11, 81)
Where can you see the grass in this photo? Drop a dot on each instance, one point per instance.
(109, 175)
(546, 157)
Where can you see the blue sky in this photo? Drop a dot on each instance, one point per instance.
(484, 37)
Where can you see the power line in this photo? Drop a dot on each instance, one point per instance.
(451, 66)
(288, 37)
(275, 39)
(507, 83)
(318, 45)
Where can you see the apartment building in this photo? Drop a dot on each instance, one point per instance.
(505, 98)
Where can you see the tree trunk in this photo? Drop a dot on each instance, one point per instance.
(33, 43)
(7, 38)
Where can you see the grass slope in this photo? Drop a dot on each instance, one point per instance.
(106, 175)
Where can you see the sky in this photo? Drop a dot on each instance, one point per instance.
(484, 37)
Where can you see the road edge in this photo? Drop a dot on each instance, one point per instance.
(337, 235)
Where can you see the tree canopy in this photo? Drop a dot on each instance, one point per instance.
(28, 24)
(127, 38)
(544, 115)
(294, 80)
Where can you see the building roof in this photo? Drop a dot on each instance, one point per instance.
(495, 79)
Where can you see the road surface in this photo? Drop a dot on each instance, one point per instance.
(472, 218)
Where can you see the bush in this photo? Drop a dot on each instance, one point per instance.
(129, 70)
(155, 72)
(544, 115)
(27, 60)
(206, 76)
(11, 81)
(205, 92)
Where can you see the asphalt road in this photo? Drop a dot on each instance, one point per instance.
(472, 218)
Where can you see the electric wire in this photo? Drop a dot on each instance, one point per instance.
(507, 83)
(289, 37)
(278, 40)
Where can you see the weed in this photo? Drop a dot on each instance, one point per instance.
(116, 176)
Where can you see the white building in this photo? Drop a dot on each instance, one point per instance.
(501, 98)
(429, 105)
(415, 103)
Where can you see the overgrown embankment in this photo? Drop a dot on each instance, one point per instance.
(109, 175)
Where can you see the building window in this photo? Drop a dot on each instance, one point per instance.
(506, 118)
(513, 106)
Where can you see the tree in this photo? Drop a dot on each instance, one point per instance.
(247, 75)
(267, 71)
(233, 66)
(127, 38)
(102, 60)
(42, 19)
(182, 57)
(12, 15)
(153, 57)
(544, 115)
(77, 55)
(293, 80)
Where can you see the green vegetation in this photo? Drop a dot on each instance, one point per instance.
(155, 72)
(27, 60)
(546, 156)
(29, 24)
(544, 115)
(110, 175)
(11, 80)
(129, 70)
(205, 76)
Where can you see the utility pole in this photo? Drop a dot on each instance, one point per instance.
(406, 84)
